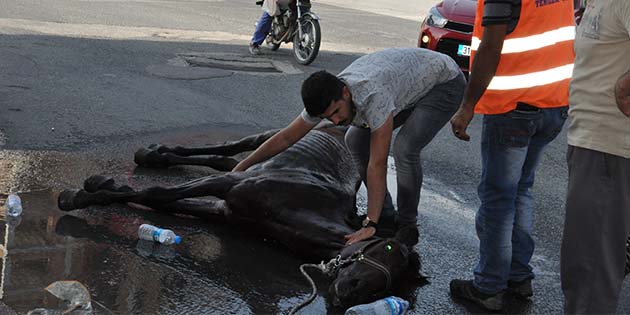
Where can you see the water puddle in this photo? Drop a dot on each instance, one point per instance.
(217, 269)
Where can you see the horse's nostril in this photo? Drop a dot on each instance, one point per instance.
(347, 287)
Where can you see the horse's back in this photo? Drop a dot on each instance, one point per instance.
(320, 154)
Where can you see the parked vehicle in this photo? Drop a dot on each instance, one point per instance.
(300, 26)
(448, 27)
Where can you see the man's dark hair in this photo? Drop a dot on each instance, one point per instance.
(318, 90)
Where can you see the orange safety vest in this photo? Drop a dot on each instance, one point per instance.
(536, 60)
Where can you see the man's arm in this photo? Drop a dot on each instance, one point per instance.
(279, 142)
(622, 93)
(376, 178)
(483, 69)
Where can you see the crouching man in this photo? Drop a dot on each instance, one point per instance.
(414, 89)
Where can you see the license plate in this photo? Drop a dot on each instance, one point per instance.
(463, 50)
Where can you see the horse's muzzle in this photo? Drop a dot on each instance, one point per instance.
(346, 292)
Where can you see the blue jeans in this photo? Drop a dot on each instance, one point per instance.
(418, 126)
(511, 146)
(262, 28)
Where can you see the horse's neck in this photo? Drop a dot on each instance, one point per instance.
(310, 235)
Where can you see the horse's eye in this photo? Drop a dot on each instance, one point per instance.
(388, 247)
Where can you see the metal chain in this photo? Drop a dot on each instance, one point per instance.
(329, 269)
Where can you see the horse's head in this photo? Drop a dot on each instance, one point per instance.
(371, 269)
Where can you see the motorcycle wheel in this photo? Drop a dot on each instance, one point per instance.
(305, 49)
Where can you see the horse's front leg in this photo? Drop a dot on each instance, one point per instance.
(154, 196)
(202, 208)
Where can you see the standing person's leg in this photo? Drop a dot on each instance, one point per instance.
(522, 242)
(504, 143)
(428, 116)
(262, 29)
(358, 142)
(503, 157)
(597, 224)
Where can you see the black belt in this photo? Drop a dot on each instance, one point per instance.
(526, 107)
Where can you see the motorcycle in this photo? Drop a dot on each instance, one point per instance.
(297, 24)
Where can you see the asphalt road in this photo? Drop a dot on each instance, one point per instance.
(83, 83)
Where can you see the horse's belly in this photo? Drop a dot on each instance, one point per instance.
(290, 188)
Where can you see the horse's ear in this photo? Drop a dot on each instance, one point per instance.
(405, 251)
(408, 235)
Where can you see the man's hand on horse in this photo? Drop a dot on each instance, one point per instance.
(362, 234)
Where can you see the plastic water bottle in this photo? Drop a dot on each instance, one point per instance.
(153, 233)
(391, 305)
(13, 205)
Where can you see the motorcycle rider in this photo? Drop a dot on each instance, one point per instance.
(271, 8)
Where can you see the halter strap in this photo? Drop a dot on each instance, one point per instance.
(333, 266)
(376, 264)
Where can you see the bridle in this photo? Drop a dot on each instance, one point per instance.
(335, 264)
(332, 267)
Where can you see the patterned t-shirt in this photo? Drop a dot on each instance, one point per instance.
(390, 81)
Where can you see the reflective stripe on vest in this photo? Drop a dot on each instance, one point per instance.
(536, 59)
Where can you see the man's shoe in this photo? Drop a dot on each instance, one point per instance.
(254, 49)
(464, 289)
(407, 233)
(386, 226)
(521, 289)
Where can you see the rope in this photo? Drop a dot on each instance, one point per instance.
(330, 269)
(313, 293)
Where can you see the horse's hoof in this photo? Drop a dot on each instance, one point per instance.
(159, 148)
(148, 158)
(65, 201)
(98, 182)
(140, 156)
(124, 188)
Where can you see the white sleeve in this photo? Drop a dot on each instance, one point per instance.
(309, 119)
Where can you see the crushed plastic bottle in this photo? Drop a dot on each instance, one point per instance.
(153, 233)
(391, 305)
(13, 205)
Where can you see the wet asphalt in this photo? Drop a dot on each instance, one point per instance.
(75, 105)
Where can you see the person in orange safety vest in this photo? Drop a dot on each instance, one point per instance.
(521, 65)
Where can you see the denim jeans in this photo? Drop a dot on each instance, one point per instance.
(262, 28)
(420, 124)
(511, 146)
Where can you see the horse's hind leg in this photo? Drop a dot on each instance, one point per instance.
(153, 197)
(215, 156)
(146, 157)
(228, 148)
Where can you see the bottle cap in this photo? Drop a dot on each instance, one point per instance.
(178, 239)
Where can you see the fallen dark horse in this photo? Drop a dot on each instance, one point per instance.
(302, 198)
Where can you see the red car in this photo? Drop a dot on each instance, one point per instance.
(448, 28)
